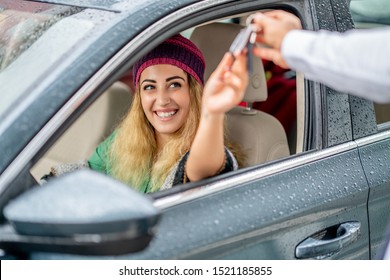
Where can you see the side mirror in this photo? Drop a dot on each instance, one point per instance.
(85, 213)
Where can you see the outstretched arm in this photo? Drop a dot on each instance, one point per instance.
(353, 61)
(224, 90)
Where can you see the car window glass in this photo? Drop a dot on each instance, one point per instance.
(22, 25)
(20, 28)
(372, 14)
(33, 37)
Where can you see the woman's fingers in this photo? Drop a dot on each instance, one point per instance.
(226, 86)
(240, 71)
(224, 65)
(235, 83)
(237, 78)
(240, 63)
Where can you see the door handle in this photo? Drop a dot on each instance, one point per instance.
(328, 242)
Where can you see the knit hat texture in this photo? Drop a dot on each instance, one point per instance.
(177, 51)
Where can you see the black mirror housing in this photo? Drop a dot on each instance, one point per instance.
(84, 213)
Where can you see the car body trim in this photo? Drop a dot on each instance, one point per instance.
(373, 138)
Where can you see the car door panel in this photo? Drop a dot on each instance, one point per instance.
(269, 217)
(376, 163)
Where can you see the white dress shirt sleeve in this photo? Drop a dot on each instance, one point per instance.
(357, 61)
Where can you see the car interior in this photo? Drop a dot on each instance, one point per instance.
(261, 134)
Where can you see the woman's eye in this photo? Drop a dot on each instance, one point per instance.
(148, 87)
(175, 85)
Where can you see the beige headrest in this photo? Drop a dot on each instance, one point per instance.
(214, 41)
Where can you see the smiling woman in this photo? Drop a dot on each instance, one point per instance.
(165, 99)
(168, 138)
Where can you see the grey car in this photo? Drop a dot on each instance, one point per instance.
(318, 188)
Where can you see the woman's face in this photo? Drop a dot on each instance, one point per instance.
(165, 97)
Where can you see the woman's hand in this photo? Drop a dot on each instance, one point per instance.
(224, 90)
(226, 85)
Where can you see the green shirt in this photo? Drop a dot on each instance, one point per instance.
(99, 160)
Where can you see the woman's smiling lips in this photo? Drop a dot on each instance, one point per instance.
(166, 114)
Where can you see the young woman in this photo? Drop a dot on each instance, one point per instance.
(174, 131)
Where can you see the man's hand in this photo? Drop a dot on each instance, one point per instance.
(272, 27)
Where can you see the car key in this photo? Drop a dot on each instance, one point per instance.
(241, 41)
(245, 38)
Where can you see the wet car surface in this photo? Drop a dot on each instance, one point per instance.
(328, 199)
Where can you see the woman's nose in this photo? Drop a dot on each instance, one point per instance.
(163, 98)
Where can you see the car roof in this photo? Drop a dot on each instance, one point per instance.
(95, 4)
(107, 5)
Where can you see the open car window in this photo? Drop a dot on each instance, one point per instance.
(267, 125)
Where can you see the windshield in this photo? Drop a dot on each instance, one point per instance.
(21, 24)
(36, 40)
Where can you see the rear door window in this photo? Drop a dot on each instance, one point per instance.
(373, 14)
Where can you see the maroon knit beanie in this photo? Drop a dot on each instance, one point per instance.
(177, 51)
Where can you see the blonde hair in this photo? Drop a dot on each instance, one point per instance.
(133, 154)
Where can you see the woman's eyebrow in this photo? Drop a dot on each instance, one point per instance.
(173, 78)
(147, 80)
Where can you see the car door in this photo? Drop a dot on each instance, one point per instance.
(375, 155)
(371, 128)
(309, 205)
(295, 208)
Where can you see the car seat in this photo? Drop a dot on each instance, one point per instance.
(86, 133)
(261, 136)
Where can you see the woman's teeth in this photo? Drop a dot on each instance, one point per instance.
(165, 114)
